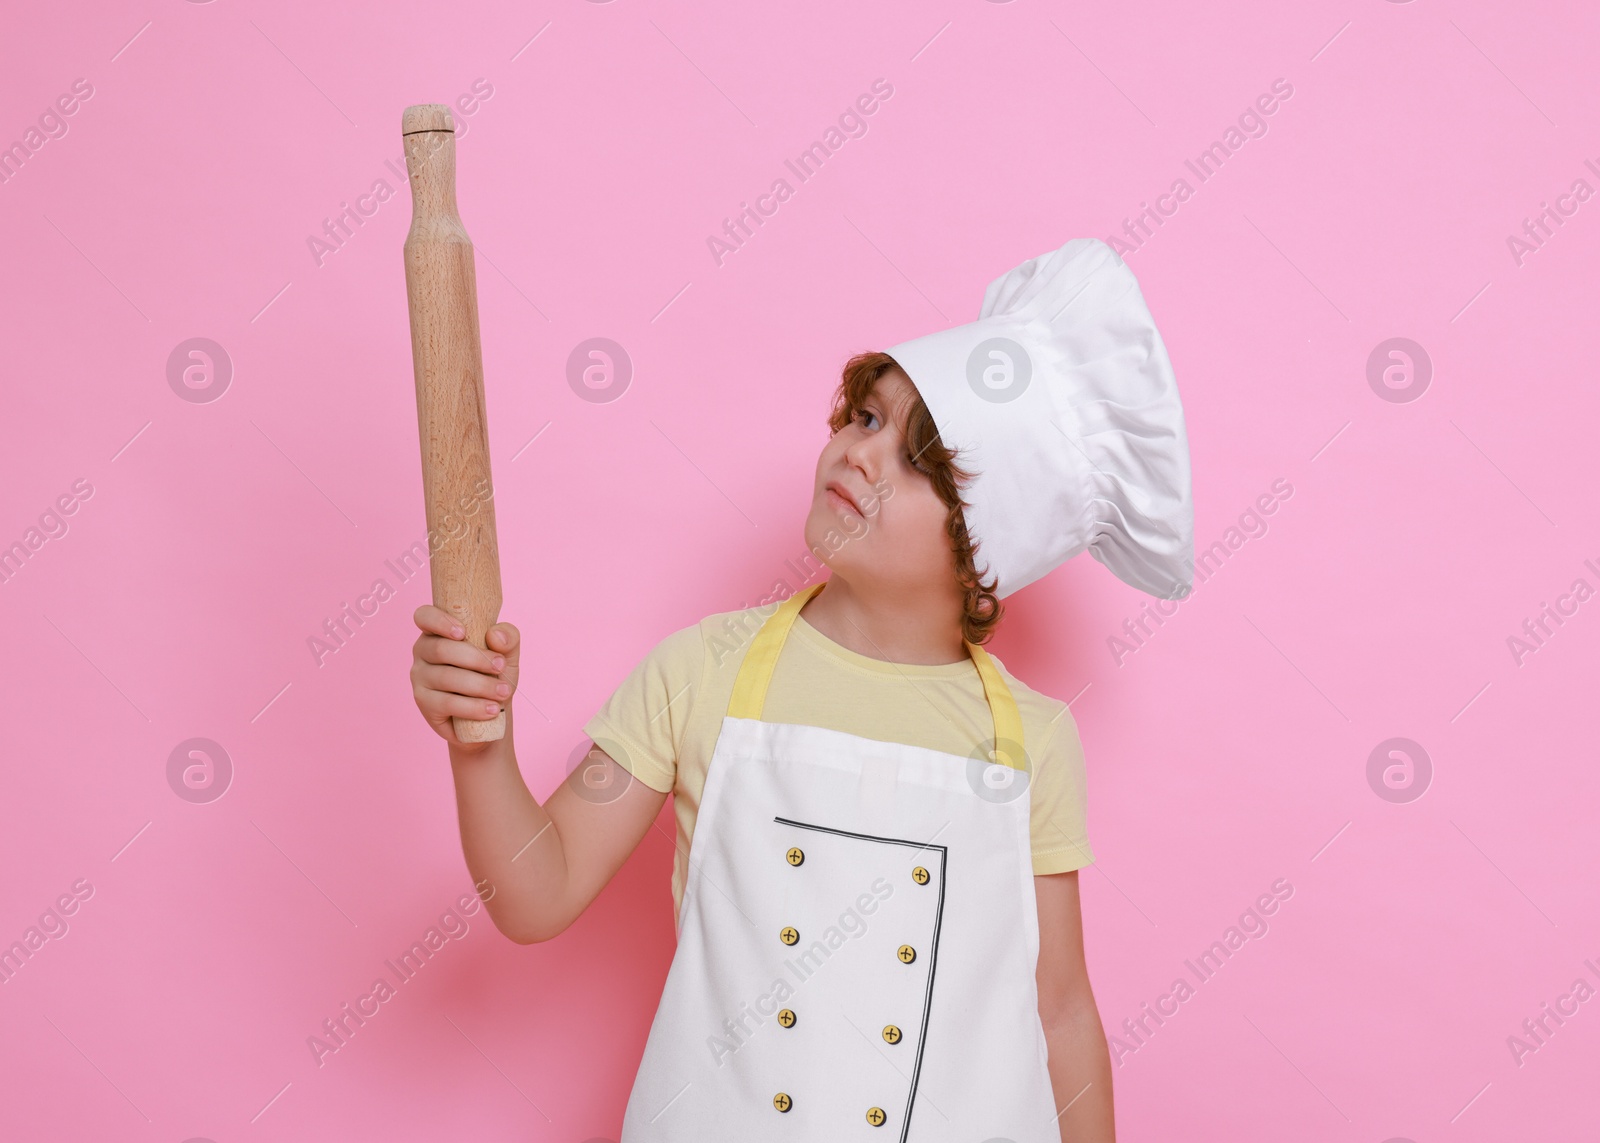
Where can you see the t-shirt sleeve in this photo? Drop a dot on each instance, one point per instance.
(1058, 822)
(642, 725)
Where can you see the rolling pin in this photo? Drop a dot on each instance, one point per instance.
(452, 423)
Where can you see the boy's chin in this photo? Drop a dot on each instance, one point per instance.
(818, 521)
(825, 532)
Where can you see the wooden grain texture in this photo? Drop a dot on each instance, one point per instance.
(452, 422)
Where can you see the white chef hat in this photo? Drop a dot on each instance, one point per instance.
(1062, 398)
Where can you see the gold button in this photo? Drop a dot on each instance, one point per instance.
(782, 1101)
(876, 1117)
(920, 875)
(795, 856)
(907, 953)
(786, 1017)
(788, 936)
(891, 1033)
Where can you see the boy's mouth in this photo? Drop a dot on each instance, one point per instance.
(840, 498)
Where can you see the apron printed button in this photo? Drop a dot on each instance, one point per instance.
(782, 1101)
(920, 875)
(786, 1018)
(891, 1033)
(907, 954)
(795, 856)
(789, 935)
(876, 1117)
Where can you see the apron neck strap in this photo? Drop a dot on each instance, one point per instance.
(755, 675)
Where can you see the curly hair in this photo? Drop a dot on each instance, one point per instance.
(981, 608)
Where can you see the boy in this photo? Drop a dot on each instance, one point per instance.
(879, 827)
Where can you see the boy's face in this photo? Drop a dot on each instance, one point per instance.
(875, 520)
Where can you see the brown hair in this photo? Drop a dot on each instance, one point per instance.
(981, 608)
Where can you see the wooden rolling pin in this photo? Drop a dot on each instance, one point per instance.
(452, 424)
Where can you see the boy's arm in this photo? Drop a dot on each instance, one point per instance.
(536, 867)
(1080, 1066)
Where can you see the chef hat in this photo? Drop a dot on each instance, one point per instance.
(1061, 397)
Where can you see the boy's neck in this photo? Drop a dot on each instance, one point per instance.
(893, 625)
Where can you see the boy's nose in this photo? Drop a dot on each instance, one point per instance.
(866, 454)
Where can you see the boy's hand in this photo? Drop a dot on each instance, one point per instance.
(452, 678)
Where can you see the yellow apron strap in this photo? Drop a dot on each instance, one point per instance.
(755, 675)
(1007, 719)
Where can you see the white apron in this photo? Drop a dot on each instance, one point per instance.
(857, 942)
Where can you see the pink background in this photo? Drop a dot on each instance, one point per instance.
(1226, 753)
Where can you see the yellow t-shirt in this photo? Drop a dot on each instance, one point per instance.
(661, 724)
